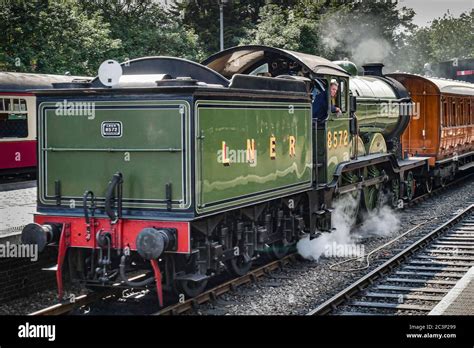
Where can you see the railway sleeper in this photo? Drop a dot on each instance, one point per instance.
(391, 306)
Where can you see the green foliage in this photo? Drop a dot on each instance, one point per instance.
(59, 36)
(451, 37)
(334, 29)
(56, 36)
(202, 16)
(52, 37)
(448, 37)
(144, 29)
(279, 27)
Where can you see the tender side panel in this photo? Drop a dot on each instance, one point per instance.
(230, 131)
(146, 141)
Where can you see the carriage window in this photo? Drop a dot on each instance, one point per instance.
(8, 104)
(13, 118)
(470, 115)
(453, 114)
(445, 114)
(23, 105)
(463, 113)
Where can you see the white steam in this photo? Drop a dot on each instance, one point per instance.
(363, 39)
(380, 222)
(372, 50)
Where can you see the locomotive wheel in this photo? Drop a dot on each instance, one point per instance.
(278, 250)
(371, 194)
(371, 198)
(190, 288)
(410, 186)
(428, 185)
(394, 192)
(238, 266)
(349, 211)
(443, 181)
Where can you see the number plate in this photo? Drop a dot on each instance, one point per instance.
(111, 129)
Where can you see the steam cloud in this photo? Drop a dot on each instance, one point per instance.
(363, 40)
(380, 222)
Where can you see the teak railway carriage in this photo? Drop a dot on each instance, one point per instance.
(188, 170)
(18, 119)
(444, 127)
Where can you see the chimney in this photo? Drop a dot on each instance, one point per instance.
(374, 69)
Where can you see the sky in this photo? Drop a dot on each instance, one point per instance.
(427, 10)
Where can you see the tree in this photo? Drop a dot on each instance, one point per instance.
(145, 28)
(334, 29)
(240, 16)
(279, 27)
(451, 37)
(446, 38)
(52, 37)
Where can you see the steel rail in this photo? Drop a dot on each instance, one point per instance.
(355, 288)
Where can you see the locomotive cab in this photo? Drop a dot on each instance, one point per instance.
(329, 127)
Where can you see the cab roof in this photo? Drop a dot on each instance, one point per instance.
(245, 59)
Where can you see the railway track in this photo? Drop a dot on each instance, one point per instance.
(414, 280)
(66, 307)
(177, 308)
(213, 293)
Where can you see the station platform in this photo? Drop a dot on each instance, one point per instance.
(460, 299)
(16, 210)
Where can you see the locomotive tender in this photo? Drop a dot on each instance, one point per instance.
(188, 170)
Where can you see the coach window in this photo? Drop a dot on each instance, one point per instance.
(469, 113)
(463, 113)
(445, 114)
(453, 114)
(13, 118)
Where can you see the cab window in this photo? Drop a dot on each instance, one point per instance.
(338, 95)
